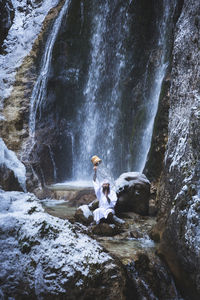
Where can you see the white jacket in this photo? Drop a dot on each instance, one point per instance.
(104, 206)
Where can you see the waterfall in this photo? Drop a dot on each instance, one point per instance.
(114, 98)
(100, 113)
(152, 99)
(100, 118)
(39, 91)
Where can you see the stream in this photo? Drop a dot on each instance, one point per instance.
(125, 245)
(148, 277)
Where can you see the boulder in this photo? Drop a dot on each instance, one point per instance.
(12, 171)
(133, 190)
(105, 229)
(8, 181)
(44, 257)
(94, 204)
(84, 215)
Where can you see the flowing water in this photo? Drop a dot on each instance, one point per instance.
(100, 113)
(152, 99)
(38, 96)
(115, 113)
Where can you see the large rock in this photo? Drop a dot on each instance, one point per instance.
(84, 215)
(8, 180)
(133, 189)
(43, 257)
(12, 171)
(179, 217)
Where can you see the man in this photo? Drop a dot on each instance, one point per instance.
(107, 199)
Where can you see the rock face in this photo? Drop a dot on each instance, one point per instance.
(43, 257)
(133, 191)
(56, 134)
(179, 191)
(6, 18)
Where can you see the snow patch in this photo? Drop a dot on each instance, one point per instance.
(10, 160)
(45, 250)
(130, 178)
(192, 227)
(86, 211)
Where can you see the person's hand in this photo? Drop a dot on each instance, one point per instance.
(95, 167)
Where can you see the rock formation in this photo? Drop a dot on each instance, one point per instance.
(133, 191)
(12, 171)
(179, 198)
(45, 257)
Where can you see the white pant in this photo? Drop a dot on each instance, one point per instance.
(101, 212)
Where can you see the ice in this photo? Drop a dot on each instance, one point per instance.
(10, 160)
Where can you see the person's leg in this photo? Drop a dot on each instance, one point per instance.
(118, 220)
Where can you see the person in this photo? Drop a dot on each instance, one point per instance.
(107, 199)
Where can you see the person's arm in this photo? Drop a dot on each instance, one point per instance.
(95, 173)
(96, 183)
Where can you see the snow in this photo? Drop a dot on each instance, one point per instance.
(10, 160)
(45, 250)
(135, 178)
(192, 227)
(86, 211)
(27, 24)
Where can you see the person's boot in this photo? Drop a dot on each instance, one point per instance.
(117, 220)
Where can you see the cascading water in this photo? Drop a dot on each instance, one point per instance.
(152, 98)
(106, 94)
(100, 115)
(38, 96)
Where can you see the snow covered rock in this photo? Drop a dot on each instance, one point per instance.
(133, 189)
(6, 17)
(84, 215)
(42, 256)
(12, 171)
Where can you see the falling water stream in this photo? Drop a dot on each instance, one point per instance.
(38, 96)
(153, 98)
(100, 113)
(100, 118)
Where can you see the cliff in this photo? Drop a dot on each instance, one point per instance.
(179, 193)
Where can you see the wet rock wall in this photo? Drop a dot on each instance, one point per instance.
(179, 219)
